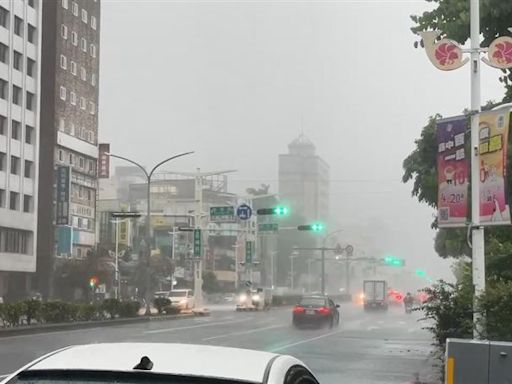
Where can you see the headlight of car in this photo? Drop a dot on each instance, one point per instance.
(242, 297)
(256, 297)
(184, 301)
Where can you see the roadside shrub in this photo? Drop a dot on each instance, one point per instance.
(129, 308)
(87, 312)
(496, 303)
(111, 307)
(58, 312)
(161, 303)
(11, 313)
(450, 309)
(32, 310)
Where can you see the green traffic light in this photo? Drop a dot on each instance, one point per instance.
(280, 211)
(317, 227)
(421, 273)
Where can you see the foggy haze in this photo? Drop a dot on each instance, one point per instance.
(236, 82)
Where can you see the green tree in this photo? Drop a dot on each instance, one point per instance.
(451, 17)
(210, 282)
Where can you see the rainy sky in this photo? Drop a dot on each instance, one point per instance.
(236, 81)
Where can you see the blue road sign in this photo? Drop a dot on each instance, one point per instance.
(244, 212)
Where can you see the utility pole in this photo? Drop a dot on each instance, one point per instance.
(149, 234)
(198, 267)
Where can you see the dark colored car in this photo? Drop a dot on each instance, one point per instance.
(316, 311)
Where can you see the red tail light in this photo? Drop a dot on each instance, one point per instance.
(298, 309)
(324, 311)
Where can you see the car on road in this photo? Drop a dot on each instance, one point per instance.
(160, 363)
(316, 311)
(182, 298)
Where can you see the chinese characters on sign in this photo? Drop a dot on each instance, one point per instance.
(197, 243)
(103, 161)
(452, 172)
(493, 134)
(63, 195)
(224, 214)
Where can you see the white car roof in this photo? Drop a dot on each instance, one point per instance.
(176, 359)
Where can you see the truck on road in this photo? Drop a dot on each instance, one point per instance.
(375, 295)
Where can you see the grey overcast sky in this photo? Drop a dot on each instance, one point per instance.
(236, 80)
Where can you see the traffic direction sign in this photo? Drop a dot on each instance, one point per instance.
(222, 214)
(197, 243)
(244, 212)
(268, 227)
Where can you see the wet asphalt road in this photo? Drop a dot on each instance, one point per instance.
(366, 348)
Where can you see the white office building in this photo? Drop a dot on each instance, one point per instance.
(20, 38)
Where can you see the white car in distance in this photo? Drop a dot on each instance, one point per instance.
(181, 298)
(160, 363)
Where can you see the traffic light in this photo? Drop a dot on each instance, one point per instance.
(421, 273)
(277, 211)
(316, 227)
(393, 261)
(93, 281)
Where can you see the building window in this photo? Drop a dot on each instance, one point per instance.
(72, 129)
(28, 169)
(4, 17)
(3, 89)
(15, 165)
(81, 162)
(14, 201)
(83, 74)
(64, 4)
(2, 161)
(84, 16)
(29, 134)
(93, 22)
(74, 8)
(15, 130)
(30, 67)
(4, 53)
(73, 68)
(17, 60)
(71, 159)
(83, 103)
(27, 203)
(31, 3)
(92, 108)
(3, 124)
(64, 31)
(92, 50)
(18, 26)
(74, 38)
(62, 93)
(89, 136)
(72, 98)
(83, 44)
(16, 95)
(93, 79)
(31, 33)
(63, 62)
(61, 155)
(30, 101)
(62, 124)
(2, 198)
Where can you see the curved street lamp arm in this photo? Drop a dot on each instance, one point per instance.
(166, 160)
(131, 161)
(329, 235)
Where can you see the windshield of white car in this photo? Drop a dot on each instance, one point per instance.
(312, 302)
(110, 377)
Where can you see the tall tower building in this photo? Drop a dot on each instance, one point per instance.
(69, 132)
(20, 60)
(304, 180)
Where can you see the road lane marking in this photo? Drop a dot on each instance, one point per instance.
(243, 332)
(371, 328)
(305, 341)
(194, 326)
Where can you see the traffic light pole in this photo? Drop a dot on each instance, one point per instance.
(323, 271)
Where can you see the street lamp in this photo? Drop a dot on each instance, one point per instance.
(323, 257)
(446, 55)
(148, 217)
